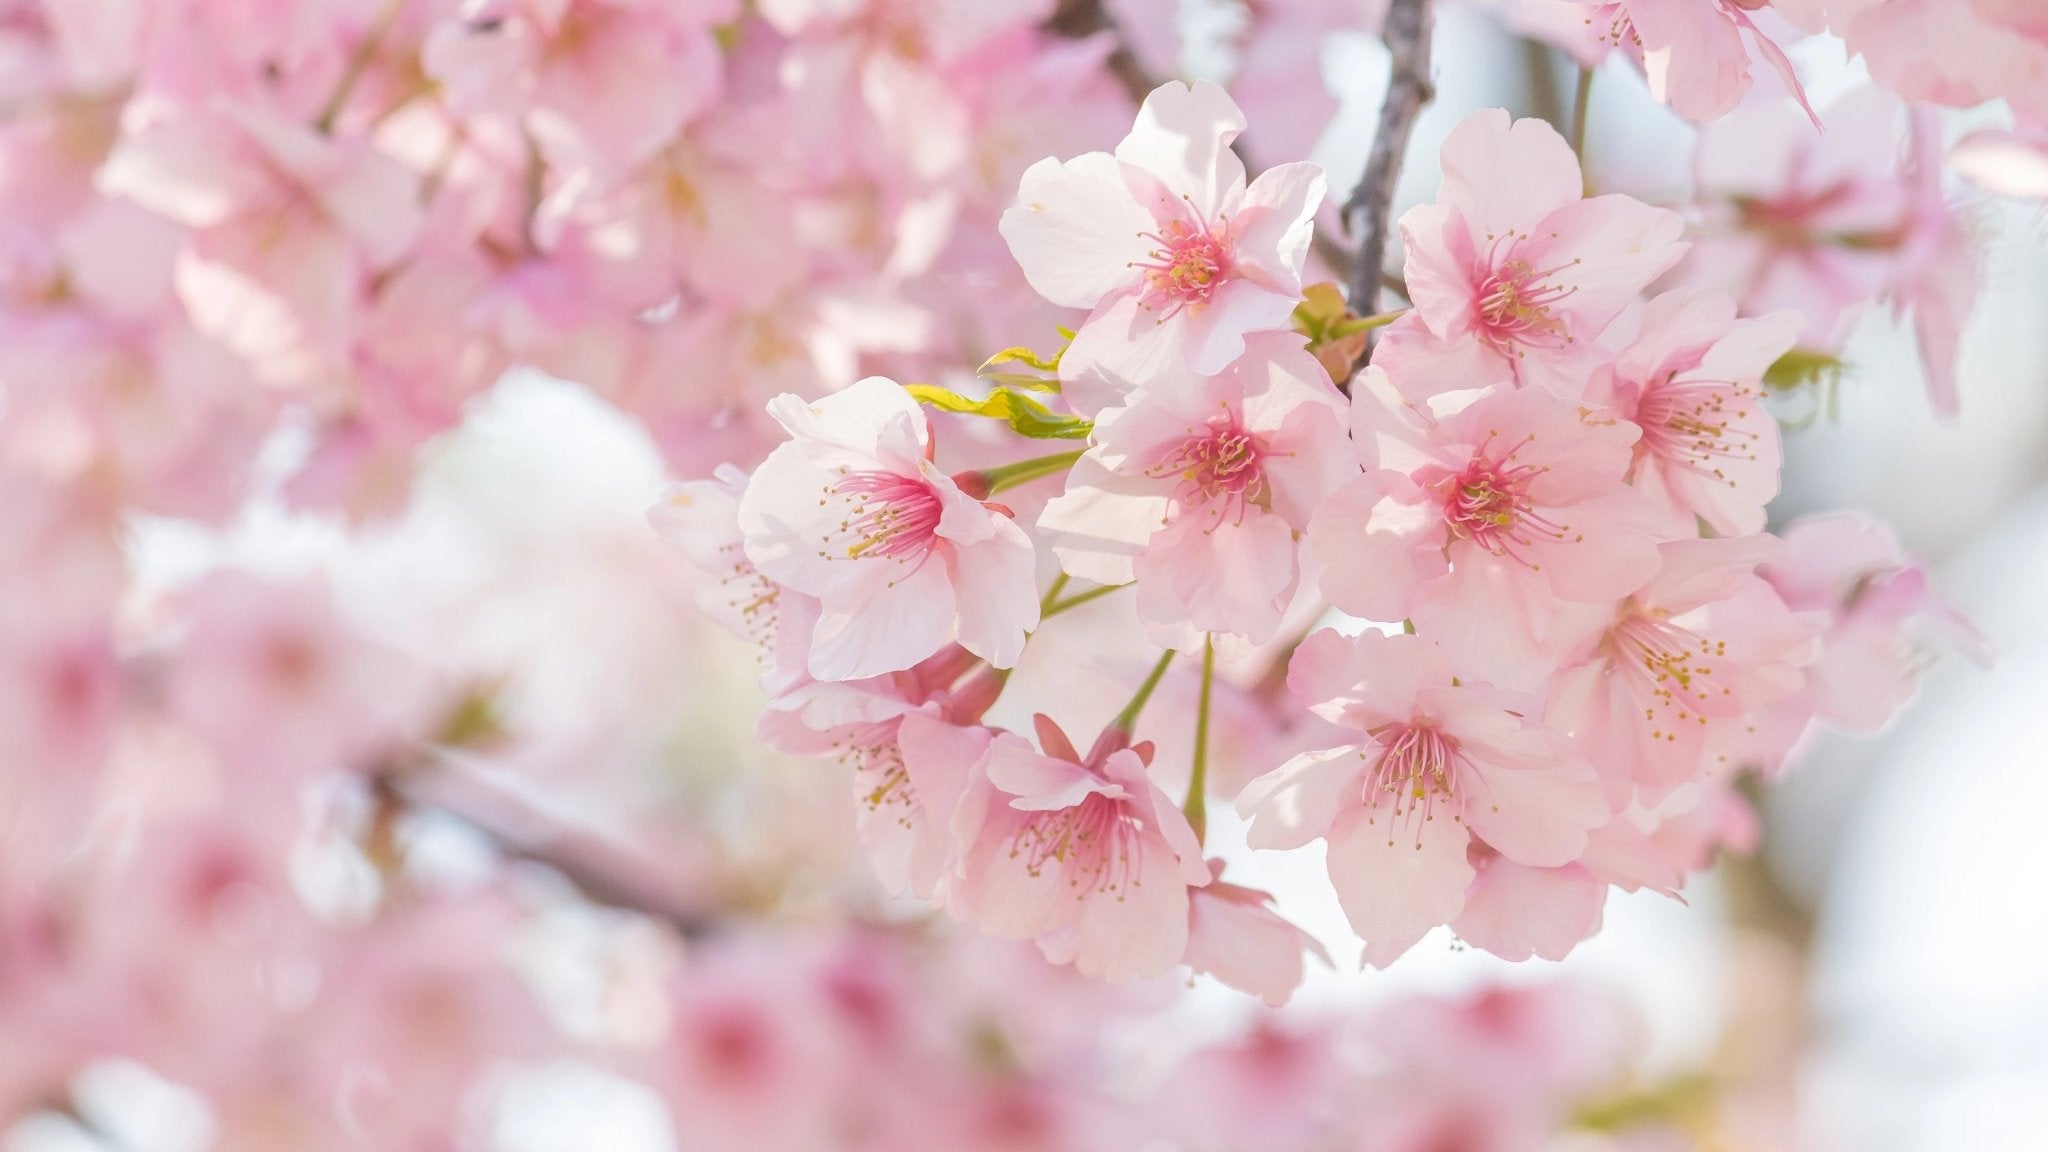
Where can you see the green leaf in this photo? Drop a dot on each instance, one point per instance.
(1802, 367)
(1026, 416)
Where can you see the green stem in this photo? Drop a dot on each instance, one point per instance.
(1024, 471)
(358, 60)
(1052, 594)
(1378, 320)
(1197, 805)
(1127, 719)
(1078, 599)
(1581, 108)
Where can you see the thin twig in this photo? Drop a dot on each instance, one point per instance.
(1372, 201)
(1079, 19)
(604, 870)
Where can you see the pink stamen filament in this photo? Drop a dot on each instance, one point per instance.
(1220, 467)
(1687, 424)
(1095, 841)
(1413, 770)
(887, 516)
(1672, 669)
(1516, 299)
(1489, 504)
(1189, 263)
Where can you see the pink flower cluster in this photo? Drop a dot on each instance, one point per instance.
(1550, 488)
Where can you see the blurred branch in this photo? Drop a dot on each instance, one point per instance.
(604, 870)
(1079, 19)
(1372, 201)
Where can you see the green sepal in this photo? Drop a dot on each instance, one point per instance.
(1026, 416)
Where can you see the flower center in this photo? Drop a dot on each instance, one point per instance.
(1095, 841)
(1489, 504)
(1516, 302)
(1671, 666)
(1187, 266)
(1413, 771)
(1687, 424)
(1222, 465)
(886, 516)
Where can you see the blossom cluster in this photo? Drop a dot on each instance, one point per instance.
(1549, 485)
(364, 767)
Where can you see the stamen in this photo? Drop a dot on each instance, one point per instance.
(1489, 504)
(1688, 424)
(1413, 772)
(1221, 468)
(1185, 269)
(887, 516)
(1095, 841)
(1516, 299)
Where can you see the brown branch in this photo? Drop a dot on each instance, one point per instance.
(604, 870)
(1372, 201)
(1078, 19)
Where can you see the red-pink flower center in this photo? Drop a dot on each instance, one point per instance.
(1220, 465)
(886, 516)
(1413, 771)
(1489, 504)
(1189, 264)
(1095, 842)
(1516, 299)
(1689, 424)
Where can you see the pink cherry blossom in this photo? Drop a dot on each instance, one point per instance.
(1692, 380)
(1235, 936)
(853, 512)
(1691, 51)
(1705, 643)
(1091, 859)
(1882, 617)
(1954, 52)
(1443, 765)
(1197, 487)
(1512, 256)
(1174, 256)
(1823, 224)
(1481, 524)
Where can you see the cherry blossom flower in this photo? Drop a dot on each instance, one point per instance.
(1692, 380)
(1823, 224)
(1480, 524)
(853, 512)
(1513, 257)
(1174, 256)
(1706, 642)
(1235, 936)
(1691, 51)
(1197, 488)
(1882, 617)
(1090, 859)
(1444, 764)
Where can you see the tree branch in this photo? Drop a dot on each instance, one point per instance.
(1370, 203)
(1078, 19)
(605, 870)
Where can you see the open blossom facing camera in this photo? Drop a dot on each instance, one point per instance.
(1198, 487)
(1692, 380)
(1483, 524)
(1173, 254)
(1445, 766)
(853, 512)
(1513, 256)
